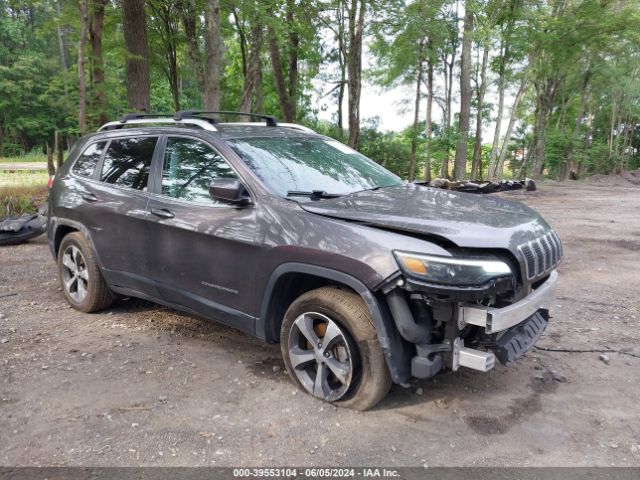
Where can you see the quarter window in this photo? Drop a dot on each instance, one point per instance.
(87, 161)
(189, 167)
(127, 162)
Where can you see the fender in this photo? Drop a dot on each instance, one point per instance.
(397, 355)
(52, 230)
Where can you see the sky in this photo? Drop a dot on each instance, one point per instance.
(394, 106)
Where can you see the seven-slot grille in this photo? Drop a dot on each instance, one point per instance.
(541, 255)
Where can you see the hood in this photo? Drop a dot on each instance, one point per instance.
(468, 220)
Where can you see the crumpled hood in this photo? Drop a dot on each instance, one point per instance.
(468, 220)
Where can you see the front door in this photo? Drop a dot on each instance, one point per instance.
(202, 251)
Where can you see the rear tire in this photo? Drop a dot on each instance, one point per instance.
(80, 277)
(354, 352)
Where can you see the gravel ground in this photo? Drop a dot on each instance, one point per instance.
(141, 384)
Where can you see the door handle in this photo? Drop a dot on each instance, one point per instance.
(90, 197)
(162, 213)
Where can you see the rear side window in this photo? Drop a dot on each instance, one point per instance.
(189, 167)
(87, 161)
(127, 162)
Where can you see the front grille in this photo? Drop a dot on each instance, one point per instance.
(541, 255)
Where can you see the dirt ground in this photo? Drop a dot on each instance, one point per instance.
(141, 384)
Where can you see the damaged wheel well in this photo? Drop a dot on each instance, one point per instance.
(286, 289)
(61, 232)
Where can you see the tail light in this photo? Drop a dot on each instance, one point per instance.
(50, 182)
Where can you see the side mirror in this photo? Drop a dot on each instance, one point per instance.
(229, 190)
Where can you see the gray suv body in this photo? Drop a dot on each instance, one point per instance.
(293, 237)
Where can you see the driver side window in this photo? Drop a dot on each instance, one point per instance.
(189, 167)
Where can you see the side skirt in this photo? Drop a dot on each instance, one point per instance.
(229, 317)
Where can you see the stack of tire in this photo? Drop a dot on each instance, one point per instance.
(486, 187)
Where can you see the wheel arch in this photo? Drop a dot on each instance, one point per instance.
(61, 232)
(62, 228)
(290, 280)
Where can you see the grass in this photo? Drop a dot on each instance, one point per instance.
(21, 200)
(22, 191)
(28, 157)
(23, 178)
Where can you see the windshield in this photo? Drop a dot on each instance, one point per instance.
(307, 164)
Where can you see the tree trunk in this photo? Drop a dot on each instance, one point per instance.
(629, 151)
(354, 67)
(445, 71)
(253, 77)
(283, 74)
(427, 123)
(212, 55)
(502, 84)
(57, 138)
(626, 142)
(172, 62)
(293, 49)
(525, 159)
(512, 122)
(82, 87)
(570, 165)
(342, 67)
(190, 23)
(460, 165)
(64, 62)
(97, 62)
(166, 27)
(448, 77)
(134, 25)
(477, 147)
(287, 105)
(51, 169)
(257, 89)
(444, 167)
(546, 93)
(619, 121)
(416, 114)
(589, 126)
(539, 133)
(243, 42)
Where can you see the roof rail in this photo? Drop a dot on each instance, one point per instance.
(136, 115)
(271, 121)
(150, 119)
(297, 127)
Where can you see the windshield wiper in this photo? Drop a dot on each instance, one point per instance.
(377, 187)
(313, 194)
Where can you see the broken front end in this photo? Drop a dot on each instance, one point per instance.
(473, 307)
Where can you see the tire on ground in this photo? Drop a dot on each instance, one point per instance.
(372, 380)
(98, 295)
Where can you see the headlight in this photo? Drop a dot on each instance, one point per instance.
(452, 270)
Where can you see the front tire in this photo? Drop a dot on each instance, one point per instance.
(80, 277)
(331, 349)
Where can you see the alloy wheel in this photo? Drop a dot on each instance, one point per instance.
(75, 275)
(321, 354)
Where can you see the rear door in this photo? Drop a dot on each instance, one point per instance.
(118, 206)
(202, 252)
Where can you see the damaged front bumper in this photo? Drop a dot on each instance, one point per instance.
(491, 333)
(497, 319)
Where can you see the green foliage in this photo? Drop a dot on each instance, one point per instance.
(581, 59)
(32, 109)
(20, 200)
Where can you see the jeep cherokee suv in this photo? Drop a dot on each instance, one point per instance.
(293, 237)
